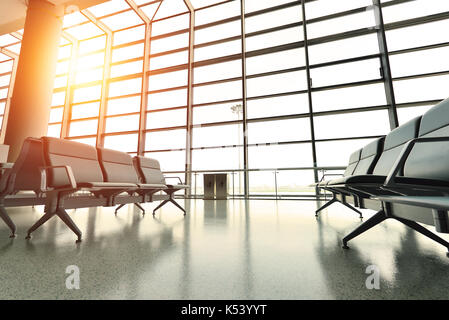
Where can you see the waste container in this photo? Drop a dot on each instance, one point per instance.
(209, 186)
(215, 186)
(221, 186)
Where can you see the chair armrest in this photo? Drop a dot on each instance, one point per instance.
(7, 181)
(175, 177)
(68, 170)
(331, 174)
(400, 161)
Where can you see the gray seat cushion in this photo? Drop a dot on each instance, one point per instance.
(149, 170)
(82, 158)
(107, 185)
(151, 186)
(367, 178)
(117, 166)
(178, 186)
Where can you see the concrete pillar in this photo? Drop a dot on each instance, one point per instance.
(33, 88)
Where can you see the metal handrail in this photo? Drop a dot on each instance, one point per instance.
(232, 172)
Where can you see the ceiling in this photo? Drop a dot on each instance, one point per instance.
(13, 12)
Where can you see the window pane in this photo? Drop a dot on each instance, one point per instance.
(217, 136)
(273, 19)
(217, 159)
(81, 128)
(125, 143)
(169, 161)
(120, 88)
(406, 114)
(124, 123)
(268, 107)
(369, 123)
(217, 112)
(218, 71)
(275, 61)
(285, 82)
(287, 156)
(169, 118)
(344, 49)
(87, 94)
(168, 80)
(336, 153)
(164, 140)
(360, 96)
(345, 73)
(218, 92)
(280, 131)
(85, 110)
(428, 88)
(169, 99)
(123, 105)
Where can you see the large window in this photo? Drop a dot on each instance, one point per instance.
(181, 86)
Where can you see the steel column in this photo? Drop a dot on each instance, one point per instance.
(106, 76)
(244, 102)
(189, 124)
(385, 65)
(309, 94)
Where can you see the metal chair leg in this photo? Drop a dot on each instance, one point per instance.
(69, 222)
(160, 205)
(352, 208)
(419, 228)
(371, 222)
(118, 208)
(39, 222)
(140, 207)
(324, 206)
(5, 217)
(178, 205)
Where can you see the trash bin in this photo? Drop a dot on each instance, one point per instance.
(209, 186)
(215, 186)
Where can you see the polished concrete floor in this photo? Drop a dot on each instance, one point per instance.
(259, 249)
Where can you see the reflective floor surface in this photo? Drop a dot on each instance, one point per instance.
(258, 249)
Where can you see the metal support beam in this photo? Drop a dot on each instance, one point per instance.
(244, 102)
(189, 126)
(66, 117)
(10, 91)
(145, 75)
(385, 65)
(106, 76)
(309, 94)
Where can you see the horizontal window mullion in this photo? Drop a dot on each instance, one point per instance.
(164, 53)
(417, 21)
(128, 44)
(346, 85)
(421, 75)
(116, 63)
(420, 48)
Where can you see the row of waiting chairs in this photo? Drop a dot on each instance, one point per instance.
(403, 176)
(65, 174)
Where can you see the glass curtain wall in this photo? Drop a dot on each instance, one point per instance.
(180, 81)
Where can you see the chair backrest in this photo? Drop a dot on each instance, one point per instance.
(82, 158)
(430, 160)
(117, 166)
(26, 167)
(353, 161)
(149, 170)
(369, 157)
(394, 143)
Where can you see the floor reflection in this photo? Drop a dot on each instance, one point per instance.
(234, 249)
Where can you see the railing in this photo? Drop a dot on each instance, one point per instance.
(271, 188)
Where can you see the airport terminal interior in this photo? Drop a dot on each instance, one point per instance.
(224, 149)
